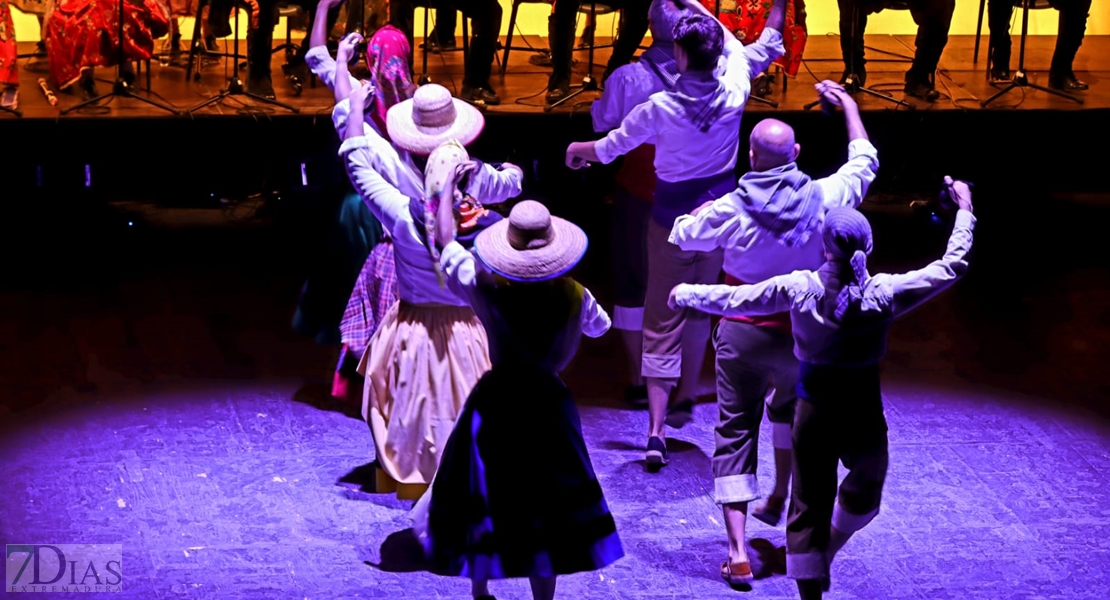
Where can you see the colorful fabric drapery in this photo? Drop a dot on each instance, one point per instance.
(9, 74)
(82, 34)
(746, 18)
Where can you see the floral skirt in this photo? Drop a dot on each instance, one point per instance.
(82, 34)
(516, 494)
(420, 366)
(746, 18)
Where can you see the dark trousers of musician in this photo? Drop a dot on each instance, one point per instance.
(838, 418)
(1073, 25)
(634, 25)
(933, 19)
(485, 27)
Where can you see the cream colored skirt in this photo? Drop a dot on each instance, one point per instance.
(420, 366)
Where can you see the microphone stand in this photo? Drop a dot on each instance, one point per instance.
(121, 88)
(852, 83)
(235, 85)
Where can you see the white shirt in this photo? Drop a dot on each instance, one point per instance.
(682, 152)
(373, 166)
(753, 253)
(323, 65)
(467, 280)
(810, 296)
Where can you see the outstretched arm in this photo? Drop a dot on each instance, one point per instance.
(768, 298)
(636, 129)
(849, 185)
(318, 37)
(910, 290)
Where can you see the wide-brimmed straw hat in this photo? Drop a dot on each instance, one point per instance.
(531, 245)
(431, 117)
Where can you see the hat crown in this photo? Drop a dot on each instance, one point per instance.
(433, 106)
(530, 226)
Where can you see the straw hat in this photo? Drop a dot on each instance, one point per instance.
(431, 117)
(531, 245)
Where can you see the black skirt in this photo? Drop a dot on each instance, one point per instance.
(516, 494)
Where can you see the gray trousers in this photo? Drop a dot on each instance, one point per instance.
(751, 361)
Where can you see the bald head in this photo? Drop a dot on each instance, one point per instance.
(772, 145)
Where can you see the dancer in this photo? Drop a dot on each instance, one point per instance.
(628, 87)
(840, 318)
(497, 510)
(430, 349)
(9, 72)
(769, 226)
(694, 130)
(82, 34)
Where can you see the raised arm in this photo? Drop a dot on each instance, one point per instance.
(849, 185)
(318, 59)
(909, 290)
(318, 37)
(344, 81)
(363, 158)
(768, 298)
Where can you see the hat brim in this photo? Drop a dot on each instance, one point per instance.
(405, 133)
(564, 252)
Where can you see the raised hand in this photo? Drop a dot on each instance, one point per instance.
(329, 4)
(348, 47)
(833, 93)
(959, 193)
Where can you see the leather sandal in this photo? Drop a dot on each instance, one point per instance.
(737, 573)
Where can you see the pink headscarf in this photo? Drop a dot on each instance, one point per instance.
(387, 56)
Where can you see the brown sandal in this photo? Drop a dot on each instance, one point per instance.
(737, 573)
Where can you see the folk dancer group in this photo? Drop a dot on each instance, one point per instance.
(466, 319)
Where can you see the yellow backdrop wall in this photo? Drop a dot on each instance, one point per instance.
(823, 16)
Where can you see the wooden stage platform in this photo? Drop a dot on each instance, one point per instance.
(128, 149)
(961, 80)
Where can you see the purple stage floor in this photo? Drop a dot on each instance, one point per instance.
(233, 490)
(164, 405)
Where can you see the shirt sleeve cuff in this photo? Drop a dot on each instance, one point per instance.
(351, 144)
(604, 153)
(453, 254)
(965, 219)
(318, 58)
(861, 147)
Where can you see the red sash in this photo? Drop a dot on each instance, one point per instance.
(780, 321)
(637, 173)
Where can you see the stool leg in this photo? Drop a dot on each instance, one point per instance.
(509, 37)
(424, 78)
(466, 38)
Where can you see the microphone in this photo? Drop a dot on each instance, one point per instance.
(50, 97)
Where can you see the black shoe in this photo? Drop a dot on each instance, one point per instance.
(636, 395)
(262, 86)
(656, 452)
(210, 45)
(922, 89)
(1066, 83)
(1000, 76)
(761, 87)
(680, 414)
(480, 95)
(855, 80)
(557, 92)
(540, 59)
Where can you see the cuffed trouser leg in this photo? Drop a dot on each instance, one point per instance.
(629, 256)
(669, 266)
(813, 491)
(749, 360)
